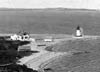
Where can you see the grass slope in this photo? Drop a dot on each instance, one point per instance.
(85, 56)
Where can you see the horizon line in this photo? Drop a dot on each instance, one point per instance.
(50, 8)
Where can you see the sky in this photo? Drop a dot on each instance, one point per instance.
(84, 4)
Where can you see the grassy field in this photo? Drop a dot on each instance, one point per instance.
(77, 45)
(59, 21)
(85, 57)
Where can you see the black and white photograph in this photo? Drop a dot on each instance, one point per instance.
(49, 35)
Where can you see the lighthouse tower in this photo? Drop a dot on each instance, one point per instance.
(79, 32)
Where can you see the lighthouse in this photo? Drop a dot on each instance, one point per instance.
(79, 32)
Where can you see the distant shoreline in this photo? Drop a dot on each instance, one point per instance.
(59, 8)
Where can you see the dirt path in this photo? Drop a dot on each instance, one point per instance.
(36, 59)
(36, 62)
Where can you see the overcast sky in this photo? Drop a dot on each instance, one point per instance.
(88, 4)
